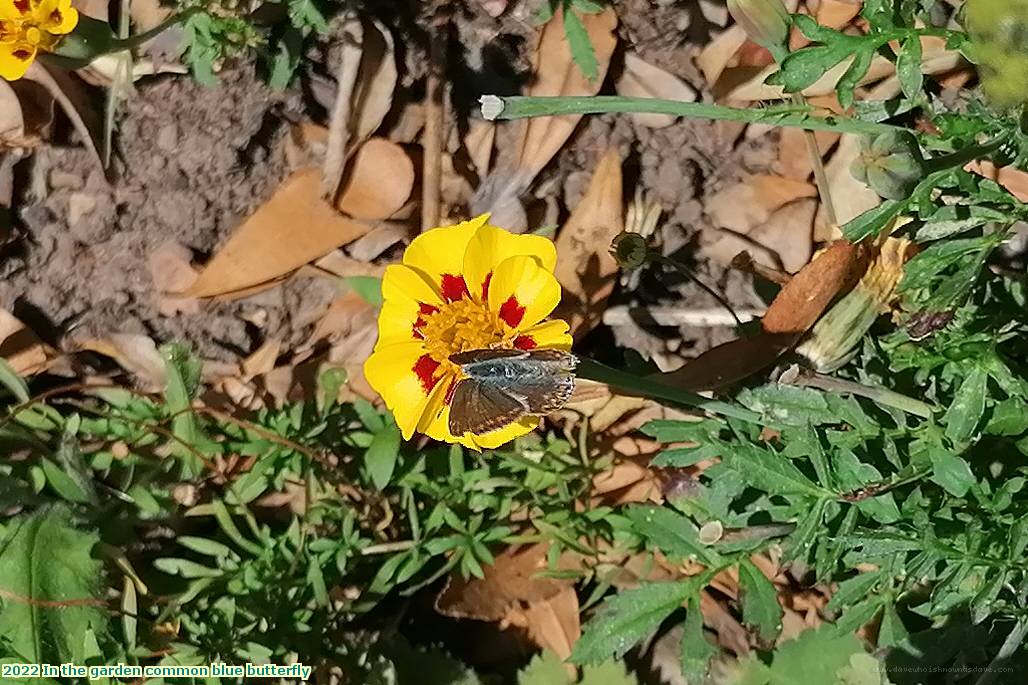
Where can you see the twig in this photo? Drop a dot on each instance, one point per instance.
(817, 164)
(677, 316)
(432, 139)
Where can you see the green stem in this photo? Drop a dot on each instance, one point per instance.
(645, 387)
(879, 395)
(521, 107)
(135, 41)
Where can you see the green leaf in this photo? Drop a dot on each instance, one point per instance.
(908, 67)
(587, 6)
(892, 630)
(368, 287)
(982, 604)
(814, 657)
(760, 606)
(968, 405)
(305, 14)
(10, 379)
(186, 568)
(50, 585)
(286, 58)
(581, 47)
(789, 404)
(671, 533)
(1009, 417)
(807, 529)
(951, 473)
(63, 484)
(871, 222)
(382, 454)
(697, 651)
(768, 471)
(628, 617)
(854, 72)
(607, 673)
(183, 370)
(853, 590)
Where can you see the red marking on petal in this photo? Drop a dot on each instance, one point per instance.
(450, 392)
(21, 5)
(454, 287)
(55, 17)
(418, 335)
(525, 342)
(427, 308)
(511, 312)
(22, 54)
(485, 286)
(425, 368)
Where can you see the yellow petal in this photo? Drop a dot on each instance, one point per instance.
(8, 10)
(435, 425)
(440, 251)
(522, 292)
(551, 334)
(403, 282)
(393, 372)
(15, 59)
(57, 16)
(491, 245)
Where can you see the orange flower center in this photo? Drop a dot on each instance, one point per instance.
(461, 326)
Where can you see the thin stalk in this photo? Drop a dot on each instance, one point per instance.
(824, 189)
(646, 387)
(685, 271)
(794, 116)
(879, 395)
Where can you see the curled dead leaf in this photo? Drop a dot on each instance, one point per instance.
(642, 79)
(364, 93)
(294, 227)
(364, 194)
(584, 268)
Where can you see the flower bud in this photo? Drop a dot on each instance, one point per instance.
(890, 164)
(630, 250)
(766, 22)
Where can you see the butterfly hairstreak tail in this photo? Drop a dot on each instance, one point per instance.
(501, 386)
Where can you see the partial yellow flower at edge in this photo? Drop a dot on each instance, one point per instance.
(28, 26)
(459, 288)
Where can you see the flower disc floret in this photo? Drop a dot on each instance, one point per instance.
(466, 287)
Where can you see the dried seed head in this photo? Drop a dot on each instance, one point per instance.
(630, 250)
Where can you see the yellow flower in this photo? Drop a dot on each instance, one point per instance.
(27, 26)
(465, 287)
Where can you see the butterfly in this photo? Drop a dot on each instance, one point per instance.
(502, 386)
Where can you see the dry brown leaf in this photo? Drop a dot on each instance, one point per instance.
(584, 268)
(554, 623)
(337, 262)
(171, 269)
(294, 227)
(642, 79)
(750, 203)
(835, 14)
(364, 93)
(135, 353)
(70, 94)
(805, 297)
(730, 363)
(262, 360)
(507, 583)
(850, 197)
(379, 239)
(21, 347)
(716, 55)
(540, 138)
(380, 179)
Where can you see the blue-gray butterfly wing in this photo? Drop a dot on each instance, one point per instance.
(478, 407)
(503, 386)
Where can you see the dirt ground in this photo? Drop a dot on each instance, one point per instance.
(192, 162)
